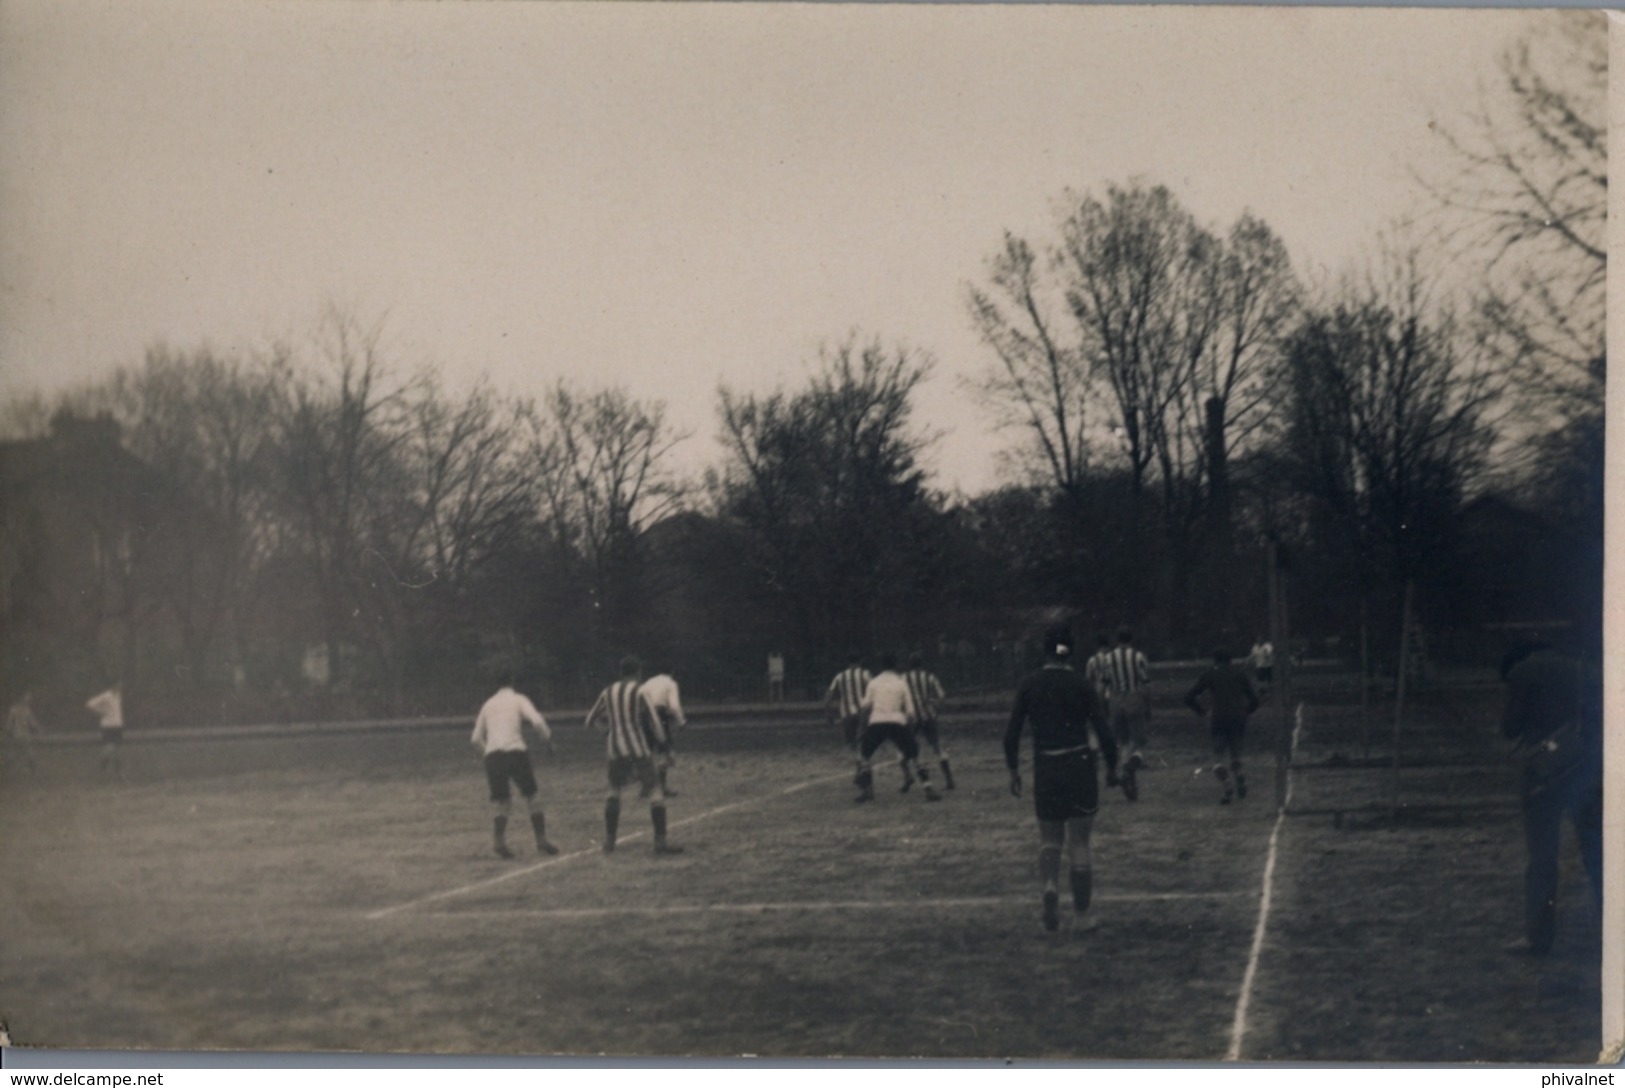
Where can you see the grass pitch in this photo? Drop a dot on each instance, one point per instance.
(333, 893)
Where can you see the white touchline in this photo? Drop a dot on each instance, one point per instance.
(514, 874)
(1238, 1029)
(796, 907)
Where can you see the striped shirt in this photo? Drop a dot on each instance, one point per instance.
(1124, 670)
(927, 692)
(634, 725)
(848, 687)
(1094, 670)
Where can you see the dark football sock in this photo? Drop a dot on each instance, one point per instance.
(658, 814)
(1082, 887)
(612, 820)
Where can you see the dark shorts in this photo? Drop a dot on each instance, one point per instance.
(112, 734)
(927, 731)
(1227, 737)
(624, 770)
(876, 735)
(1265, 673)
(503, 767)
(1065, 786)
(849, 729)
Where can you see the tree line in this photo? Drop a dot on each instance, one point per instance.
(1181, 402)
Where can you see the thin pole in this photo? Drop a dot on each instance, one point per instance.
(1282, 692)
(1399, 688)
(1365, 673)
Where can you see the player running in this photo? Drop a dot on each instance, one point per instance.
(499, 735)
(1232, 699)
(928, 695)
(1063, 711)
(635, 737)
(888, 709)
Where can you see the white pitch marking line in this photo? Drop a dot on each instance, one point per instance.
(514, 874)
(1238, 1030)
(828, 905)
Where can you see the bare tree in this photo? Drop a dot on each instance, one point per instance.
(202, 422)
(604, 475)
(1390, 424)
(340, 427)
(1043, 383)
(1530, 198)
(827, 485)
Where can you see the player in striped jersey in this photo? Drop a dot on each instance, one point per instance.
(843, 701)
(1094, 670)
(1127, 675)
(928, 696)
(888, 710)
(635, 736)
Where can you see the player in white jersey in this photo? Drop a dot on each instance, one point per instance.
(1127, 674)
(635, 736)
(109, 707)
(888, 710)
(499, 735)
(662, 692)
(928, 695)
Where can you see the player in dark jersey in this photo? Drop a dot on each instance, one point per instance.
(1232, 699)
(1063, 710)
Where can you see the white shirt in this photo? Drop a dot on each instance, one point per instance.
(109, 706)
(497, 729)
(888, 701)
(1263, 655)
(661, 691)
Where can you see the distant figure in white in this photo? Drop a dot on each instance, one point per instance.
(109, 707)
(775, 677)
(1262, 660)
(499, 735)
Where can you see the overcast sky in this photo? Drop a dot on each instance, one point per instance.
(662, 197)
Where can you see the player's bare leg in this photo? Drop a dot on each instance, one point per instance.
(538, 825)
(1051, 837)
(1080, 872)
(499, 829)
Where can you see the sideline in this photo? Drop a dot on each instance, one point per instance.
(514, 874)
(794, 907)
(1238, 1029)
